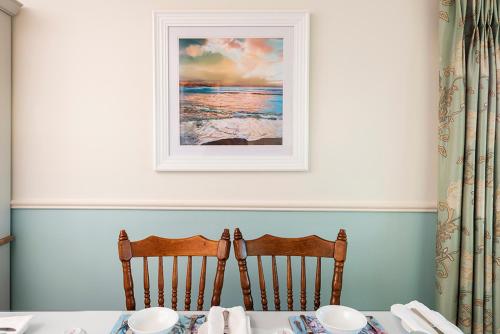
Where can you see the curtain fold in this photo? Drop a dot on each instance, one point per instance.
(468, 229)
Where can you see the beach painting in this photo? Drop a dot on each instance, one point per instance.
(231, 91)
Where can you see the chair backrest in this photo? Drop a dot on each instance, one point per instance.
(310, 246)
(154, 246)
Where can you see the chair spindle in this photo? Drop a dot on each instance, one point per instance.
(276, 285)
(201, 292)
(161, 283)
(262, 284)
(147, 299)
(174, 284)
(289, 285)
(317, 285)
(187, 299)
(303, 300)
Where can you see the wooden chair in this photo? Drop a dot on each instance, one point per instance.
(154, 246)
(310, 246)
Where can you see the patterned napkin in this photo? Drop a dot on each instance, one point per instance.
(179, 328)
(373, 326)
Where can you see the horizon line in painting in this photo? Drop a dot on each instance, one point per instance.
(231, 91)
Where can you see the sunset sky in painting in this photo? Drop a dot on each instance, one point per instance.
(231, 61)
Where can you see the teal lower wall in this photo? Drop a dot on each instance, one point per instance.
(67, 259)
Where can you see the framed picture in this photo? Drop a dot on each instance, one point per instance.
(231, 91)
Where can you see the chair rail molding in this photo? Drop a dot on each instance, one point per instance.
(10, 7)
(218, 205)
(6, 240)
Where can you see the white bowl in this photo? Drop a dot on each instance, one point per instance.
(341, 319)
(154, 320)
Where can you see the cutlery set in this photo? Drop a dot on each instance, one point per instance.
(306, 324)
(375, 328)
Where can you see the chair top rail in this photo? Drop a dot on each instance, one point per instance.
(310, 246)
(158, 246)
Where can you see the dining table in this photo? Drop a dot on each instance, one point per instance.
(102, 322)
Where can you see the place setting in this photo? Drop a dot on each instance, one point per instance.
(330, 319)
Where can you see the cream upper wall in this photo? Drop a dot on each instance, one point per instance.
(83, 109)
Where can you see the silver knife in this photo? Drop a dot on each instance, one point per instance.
(304, 320)
(421, 316)
(225, 314)
(7, 329)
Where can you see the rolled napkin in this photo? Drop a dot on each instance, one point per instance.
(417, 324)
(237, 321)
(19, 323)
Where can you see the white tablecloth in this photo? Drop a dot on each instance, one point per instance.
(101, 322)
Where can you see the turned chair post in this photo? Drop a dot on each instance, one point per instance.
(222, 255)
(241, 256)
(125, 253)
(339, 256)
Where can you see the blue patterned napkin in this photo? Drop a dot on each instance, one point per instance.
(373, 326)
(179, 328)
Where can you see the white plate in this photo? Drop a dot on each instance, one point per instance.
(154, 320)
(341, 319)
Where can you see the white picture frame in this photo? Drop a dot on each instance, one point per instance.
(290, 26)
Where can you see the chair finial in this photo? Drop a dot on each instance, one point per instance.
(225, 235)
(123, 236)
(342, 235)
(237, 234)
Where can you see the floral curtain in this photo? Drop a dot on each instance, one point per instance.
(468, 230)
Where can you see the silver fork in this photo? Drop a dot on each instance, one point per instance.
(123, 325)
(306, 325)
(299, 326)
(192, 321)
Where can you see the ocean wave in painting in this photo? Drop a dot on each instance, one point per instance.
(249, 113)
(202, 103)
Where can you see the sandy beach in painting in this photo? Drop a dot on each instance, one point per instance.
(231, 92)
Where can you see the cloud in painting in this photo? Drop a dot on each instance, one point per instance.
(231, 61)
